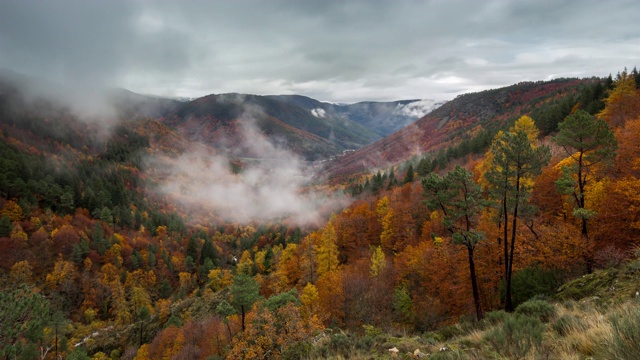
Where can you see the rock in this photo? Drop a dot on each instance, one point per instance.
(419, 354)
(394, 351)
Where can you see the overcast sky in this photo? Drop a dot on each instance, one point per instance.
(341, 51)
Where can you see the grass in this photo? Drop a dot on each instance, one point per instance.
(594, 317)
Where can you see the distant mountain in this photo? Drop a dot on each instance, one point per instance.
(220, 120)
(383, 118)
(459, 119)
(130, 104)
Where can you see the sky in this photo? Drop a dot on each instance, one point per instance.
(336, 51)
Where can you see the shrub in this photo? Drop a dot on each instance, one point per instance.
(532, 281)
(537, 308)
(565, 324)
(624, 342)
(450, 331)
(495, 317)
(298, 350)
(516, 337)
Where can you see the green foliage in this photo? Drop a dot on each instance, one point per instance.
(208, 252)
(174, 320)
(403, 304)
(624, 342)
(78, 353)
(539, 309)
(460, 200)
(244, 292)
(296, 351)
(408, 178)
(5, 226)
(277, 301)
(516, 336)
(532, 281)
(23, 315)
(495, 317)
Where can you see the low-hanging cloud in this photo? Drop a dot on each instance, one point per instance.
(270, 187)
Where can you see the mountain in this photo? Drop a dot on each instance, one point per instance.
(463, 118)
(384, 118)
(222, 120)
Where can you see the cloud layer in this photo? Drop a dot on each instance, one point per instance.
(330, 50)
(267, 189)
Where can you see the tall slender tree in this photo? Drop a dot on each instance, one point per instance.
(591, 146)
(515, 161)
(460, 200)
(244, 292)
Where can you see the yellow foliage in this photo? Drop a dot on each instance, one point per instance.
(327, 250)
(378, 262)
(119, 238)
(17, 234)
(163, 309)
(245, 265)
(21, 272)
(185, 280)
(528, 126)
(143, 353)
(62, 271)
(388, 230)
(220, 279)
(12, 210)
(87, 264)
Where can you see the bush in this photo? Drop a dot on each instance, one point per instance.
(495, 317)
(537, 308)
(298, 350)
(532, 281)
(450, 331)
(624, 342)
(566, 324)
(516, 337)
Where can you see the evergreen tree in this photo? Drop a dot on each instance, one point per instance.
(192, 248)
(589, 143)
(106, 216)
(165, 290)
(408, 178)
(24, 313)
(5, 226)
(244, 292)
(515, 161)
(392, 179)
(208, 252)
(459, 199)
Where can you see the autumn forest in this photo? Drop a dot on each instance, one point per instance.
(510, 197)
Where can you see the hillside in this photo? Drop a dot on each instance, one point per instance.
(384, 118)
(462, 118)
(220, 120)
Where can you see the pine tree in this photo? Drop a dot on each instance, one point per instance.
(459, 199)
(408, 178)
(590, 144)
(515, 161)
(208, 252)
(244, 292)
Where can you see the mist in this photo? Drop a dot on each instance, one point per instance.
(273, 186)
(89, 103)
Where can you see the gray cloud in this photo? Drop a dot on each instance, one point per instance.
(330, 50)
